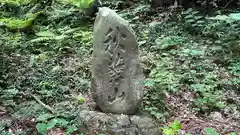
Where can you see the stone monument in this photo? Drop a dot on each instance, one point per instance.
(116, 85)
(117, 78)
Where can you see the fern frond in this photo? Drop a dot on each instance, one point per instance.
(15, 23)
(83, 4)
(16, 2)
(40, 39)
(45, 34)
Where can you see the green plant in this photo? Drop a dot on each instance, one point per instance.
(15, 23)
(192, 21)
(210, 98)
(211, 131)
(52, 60)
(162, 77)
(170, 42)
(172, 129)
(81, 99)
(232, 17)
(83, 4)
(160, 81)
(16, 2)
(223, 29)
(44, 127)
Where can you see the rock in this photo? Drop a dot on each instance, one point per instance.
(216, 116)
(117, 124)
(146, 125)
(117, 78)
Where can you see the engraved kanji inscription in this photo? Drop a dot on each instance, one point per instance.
(116, 66)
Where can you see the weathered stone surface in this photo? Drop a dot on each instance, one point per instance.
(116, 74)
(117, 124)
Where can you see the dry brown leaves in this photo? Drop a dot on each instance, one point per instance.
(191, 122)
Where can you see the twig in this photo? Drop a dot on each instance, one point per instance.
(44, 105)
(228, 3)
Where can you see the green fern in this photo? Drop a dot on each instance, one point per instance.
(15, 23)
(83, 4)
(172, 129)
(16, 2)
(47, 36)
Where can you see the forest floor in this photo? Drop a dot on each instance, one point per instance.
(192, 73)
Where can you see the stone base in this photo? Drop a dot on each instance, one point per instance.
(111, 124)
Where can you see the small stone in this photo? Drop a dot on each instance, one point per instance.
(123, 121)
(216, 116)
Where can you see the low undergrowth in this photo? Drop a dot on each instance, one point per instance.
(191, 63)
